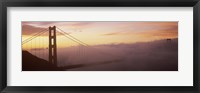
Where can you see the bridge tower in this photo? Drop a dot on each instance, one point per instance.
(52, 45)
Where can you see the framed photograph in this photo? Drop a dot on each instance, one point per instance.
(144, 46)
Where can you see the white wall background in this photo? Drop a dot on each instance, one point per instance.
(183, 77)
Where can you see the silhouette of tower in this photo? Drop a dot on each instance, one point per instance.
(52, 45)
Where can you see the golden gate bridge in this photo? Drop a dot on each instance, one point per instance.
(39, 46)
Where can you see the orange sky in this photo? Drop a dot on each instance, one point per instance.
(97, 33)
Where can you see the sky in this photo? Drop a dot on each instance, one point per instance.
(101, 32)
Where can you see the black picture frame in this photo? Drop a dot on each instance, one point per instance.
(97, 3)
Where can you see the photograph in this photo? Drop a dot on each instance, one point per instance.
(99, 45)
(133, 46)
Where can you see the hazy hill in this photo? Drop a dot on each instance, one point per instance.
(33, 63)
(159, 55)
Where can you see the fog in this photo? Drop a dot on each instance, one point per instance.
(160, 55)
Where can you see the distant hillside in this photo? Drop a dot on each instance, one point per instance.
(33, 63)
(158, 55)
